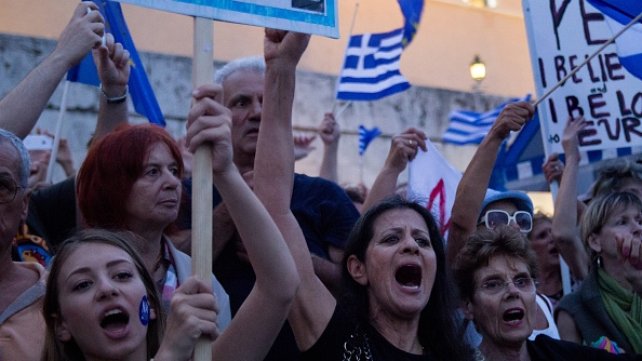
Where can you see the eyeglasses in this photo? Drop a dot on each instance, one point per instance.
(523, 284)
(8, 190)
(495, 218)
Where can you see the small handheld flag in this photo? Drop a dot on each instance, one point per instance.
(371, 67)
(366, 136)
(470, 127)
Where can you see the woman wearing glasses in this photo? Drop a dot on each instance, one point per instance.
(475, 209)
(515, 210)
(495, 272)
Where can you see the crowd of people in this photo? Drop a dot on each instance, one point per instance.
(98, 266)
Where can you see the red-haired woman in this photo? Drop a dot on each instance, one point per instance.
(131, 179)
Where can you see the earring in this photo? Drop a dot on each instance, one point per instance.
(599, 261)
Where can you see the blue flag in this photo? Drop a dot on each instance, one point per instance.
(469, 127)
(620, 13)
(366, 136)
(371, 67)
(411, 10)
(142, 95)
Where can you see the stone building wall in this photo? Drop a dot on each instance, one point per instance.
(170, 77)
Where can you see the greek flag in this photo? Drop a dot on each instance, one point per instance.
(142, 95)
(619, 13)
(366, 136)
(469, 127)
(371, 67)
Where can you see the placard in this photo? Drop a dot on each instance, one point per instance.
(561, 35)
(305, 16)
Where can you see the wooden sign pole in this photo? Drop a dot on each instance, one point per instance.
(202, 71)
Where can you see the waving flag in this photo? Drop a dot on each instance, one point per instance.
(366, 136)
(432, 181)
(142, 95)
(371, 67)
(619, 13)
(411, 10)
(469, 127)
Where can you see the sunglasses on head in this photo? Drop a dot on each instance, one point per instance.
(494, 218)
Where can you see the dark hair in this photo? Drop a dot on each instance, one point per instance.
(599, 211)
(485, 244)
(112, 166)
(54, 349)
(357, 194)
(539, 217)
(438, 330)
(611, 177)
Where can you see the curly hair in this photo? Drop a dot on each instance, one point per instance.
(481, 247)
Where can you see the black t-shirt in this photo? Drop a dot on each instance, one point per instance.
(545, 348)
(326, 216)
(52, 212)
(343, 337)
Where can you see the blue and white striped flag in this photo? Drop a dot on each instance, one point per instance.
(366, 136)
(469, 127)
(620, 13)
(371, 68)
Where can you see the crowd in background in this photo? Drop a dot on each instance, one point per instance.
(98, 266)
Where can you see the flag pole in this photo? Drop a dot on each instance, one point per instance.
(336, 85)
(361, 168)
(57, 133)
(202, 70)
(342, 109)
(577, 68)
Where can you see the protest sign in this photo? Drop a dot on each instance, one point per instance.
(306, 16)
(561, 35)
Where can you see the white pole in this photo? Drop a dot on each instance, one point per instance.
(576, 69)
(58, 132)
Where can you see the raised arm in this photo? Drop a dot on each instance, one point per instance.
(22, 106)
(564, 228)
(273, 181)
(114, 66)
(472, 187)
(259, 320)
(403, 149)
(330, 134)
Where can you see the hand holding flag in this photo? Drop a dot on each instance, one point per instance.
(84, 32)
(404, 148)
(114, 65)
(470, 127)
(142, 95)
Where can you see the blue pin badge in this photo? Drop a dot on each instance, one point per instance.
(143, 311)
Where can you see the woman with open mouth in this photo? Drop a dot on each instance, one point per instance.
(102, 303)
(496, 272)
(131, 180)
(398, 304)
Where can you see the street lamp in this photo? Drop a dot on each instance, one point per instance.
(477, 69)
